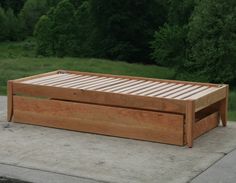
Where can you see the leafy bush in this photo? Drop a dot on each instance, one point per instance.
(43, 34)
(31, 12)
(3, 25)
(169, 46)
(212, 37)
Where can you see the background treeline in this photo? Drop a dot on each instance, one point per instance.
(195, 37)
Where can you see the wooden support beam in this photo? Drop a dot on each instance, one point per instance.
(9, 100)
(189, 121)
(224, 108)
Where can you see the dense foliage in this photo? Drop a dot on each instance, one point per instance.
(195, 37)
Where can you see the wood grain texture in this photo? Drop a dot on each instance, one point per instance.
(211, 98)
(224, 108)
(206, 124)
(103, 98)
(122, 122)
(36, 76)
(9, 100)
(189, 120)
(140, 78)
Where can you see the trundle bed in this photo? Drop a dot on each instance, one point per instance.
(166, 111)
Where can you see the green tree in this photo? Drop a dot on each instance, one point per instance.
(31, 12)
(179, 11)
(124, 28)
(3, 25)
(15, 5)
(44, 36)
(63, 21)
(83, 31)
(169, 46)
(212, 36)
(13, 26)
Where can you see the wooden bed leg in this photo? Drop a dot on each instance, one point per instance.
(189, 120)
(9, 100)
(224, 108)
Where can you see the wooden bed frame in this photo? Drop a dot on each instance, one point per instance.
(166, 111)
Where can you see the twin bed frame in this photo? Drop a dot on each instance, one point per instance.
(166, 111)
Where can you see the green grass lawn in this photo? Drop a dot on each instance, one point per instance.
(17, 60)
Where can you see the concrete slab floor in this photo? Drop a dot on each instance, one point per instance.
(97, 158)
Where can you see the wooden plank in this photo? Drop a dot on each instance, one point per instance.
(138, 88)
(98, 85)
(133, 87)
(210, 98)
(189, 120)
(36, 76)
(131, 123)
(141, 78)
(77, 81)
(224, 107)
(206, 124)
(31, 81)
(56, 80)
(66, 81)
(157, 89)
(148, 88)
(190, 93)
(175, 95)
(9, 100)
(174, 91)
(94, 83)
(104, 98)
(116, 88)
(202, 93)
(165, 90)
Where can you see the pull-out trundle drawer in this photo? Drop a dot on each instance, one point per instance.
(124, 122)
(165, 111)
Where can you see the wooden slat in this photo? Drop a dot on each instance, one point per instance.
(146, 79)
(157, 89)
(36, 76)
(91, 83)
(210, 98)
(183, 92)
(64, 81)
(100, 82)
(138, 88)
(174, 91)
(165, 90)
(76, 82)
(131, 123)
(133, 87)
(206, 124)
(202, 93)
(31, 81)
(59, 78)
(104, 84)
(50, 79)
(148, 88)
(190, 93)
(122, 85)
(104, 98)
(80, 78)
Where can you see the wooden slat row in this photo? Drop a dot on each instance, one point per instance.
(163, 89)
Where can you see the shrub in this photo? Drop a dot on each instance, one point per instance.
(169, 46)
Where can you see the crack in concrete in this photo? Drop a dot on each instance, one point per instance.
(223, 155)
(47, 171)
